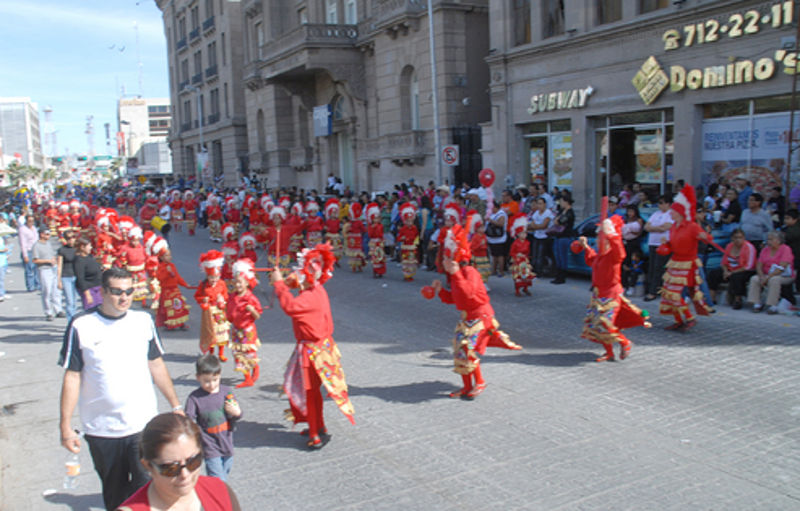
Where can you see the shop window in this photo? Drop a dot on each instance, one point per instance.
(608, 11)
(772, 104)
(726, 109)
(549, 153)
(522, 22)
(536, 127)
(652, 5)
(564, 125)
(552, 18)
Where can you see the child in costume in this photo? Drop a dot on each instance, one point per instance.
(316, 359)
(132, 257)
(332, 227)
(233, 214)
(177, 211)
(479, 246)
(212, 297)
(353, 230)
(377, 255)
(173, 311)
(295, 223)
(408, 237)
(190, 208)
(151, 267)
(243, 310)
(313, 224)
(520, 254)
(683, 268)
(214, 215)
(247, 247)
(478, 328)
(230, 252)
(278, 237)
(609, 311)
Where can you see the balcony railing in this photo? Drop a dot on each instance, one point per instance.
(197, 78)
(186, 126)
(183, 85)
(211, 71)
(404, 145)
(310, 35)
(212, 118)
(208, 24)
(181, 44)
(194, 34)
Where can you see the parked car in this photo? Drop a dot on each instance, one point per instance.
(588, 228)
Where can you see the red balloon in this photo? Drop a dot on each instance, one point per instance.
(576, 247)
(427, 292)
(486, 177)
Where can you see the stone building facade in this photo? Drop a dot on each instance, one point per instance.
(590, 95)
(344, 87)
(204, 45)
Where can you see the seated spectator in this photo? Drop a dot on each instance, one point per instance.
(738, 266)
(755, 222)
(792, 233)
(775, 268)
(731, 211)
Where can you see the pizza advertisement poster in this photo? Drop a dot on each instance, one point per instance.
(647, 148)
(561, 160)
(751, 148)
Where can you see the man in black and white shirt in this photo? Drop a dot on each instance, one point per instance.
(112, 357)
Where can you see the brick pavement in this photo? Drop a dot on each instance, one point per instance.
(701, 421)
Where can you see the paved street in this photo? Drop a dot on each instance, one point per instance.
(702, 421)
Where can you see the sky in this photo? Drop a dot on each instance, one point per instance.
(77, 57)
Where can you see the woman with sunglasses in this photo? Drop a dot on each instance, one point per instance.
(172, 453)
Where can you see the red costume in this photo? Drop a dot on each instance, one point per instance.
(332, 227)
(408, 237)
(214, 215)
(313, 225)
(609, 311)
(243, 310)
(279, 236)
(478, 328)
(173, 311)
(520, 255)
(353, 231)
(212, 297)
(683, 268)
(479, 246)
(377, 255)
(295, 223)
(315, 360)
(132, 257)
(190, 208)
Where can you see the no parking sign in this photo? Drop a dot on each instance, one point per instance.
(450, 155)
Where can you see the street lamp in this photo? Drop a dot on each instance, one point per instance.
(202, 155)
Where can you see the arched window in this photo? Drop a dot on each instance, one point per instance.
(262, 140)
(409, 99)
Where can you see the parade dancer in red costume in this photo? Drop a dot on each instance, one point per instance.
(313, 224)
(479, 246)
(148, 211)
(243, 310)
(408, 236)
(478, 328)
(294, 223)
(683, 268)
(176, 204)
(333, 236)
(520, 254)
(214, 215)
(190, 215)
(132, 257)
(352, 232)
(609, 312)
(278, 236)
(173, 311)
(316, 359)
(212, 297)
(377, 256)
(247, 247)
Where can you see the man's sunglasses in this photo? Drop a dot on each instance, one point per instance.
(174, 468)
(118, 292)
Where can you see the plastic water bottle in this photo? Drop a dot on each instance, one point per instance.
(72, 470)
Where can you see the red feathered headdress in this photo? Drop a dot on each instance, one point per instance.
(685, 203)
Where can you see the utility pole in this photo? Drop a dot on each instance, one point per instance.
(90, 140)
(435, 85)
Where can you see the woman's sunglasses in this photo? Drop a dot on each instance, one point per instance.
(174, 468)
(118, 292)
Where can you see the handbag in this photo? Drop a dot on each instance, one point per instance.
(493, 231)
(554, 228)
